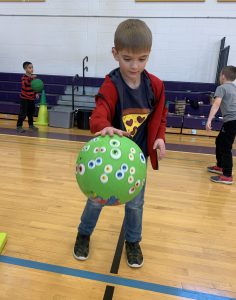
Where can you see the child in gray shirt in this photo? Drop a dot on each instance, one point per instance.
(225, 99)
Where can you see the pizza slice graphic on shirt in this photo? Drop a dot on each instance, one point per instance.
(132, 120)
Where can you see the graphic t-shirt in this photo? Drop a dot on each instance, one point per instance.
(135, 111)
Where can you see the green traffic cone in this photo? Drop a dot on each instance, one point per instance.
(43, 110)
(3, 240)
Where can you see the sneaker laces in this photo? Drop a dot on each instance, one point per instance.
(135, 250)
(82, 241)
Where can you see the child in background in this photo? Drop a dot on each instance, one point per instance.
(225, 99)
(128, 93)
(27, 103)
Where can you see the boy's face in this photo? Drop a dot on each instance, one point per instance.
(29, 69)
(131, 64)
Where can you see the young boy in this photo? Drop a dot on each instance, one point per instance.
(225, 99)
(27, 104)
(128, 92)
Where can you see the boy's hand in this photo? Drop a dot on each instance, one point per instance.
(37, 96)
(111, 131)
(33, 76)
(160, 144)
(208, 125)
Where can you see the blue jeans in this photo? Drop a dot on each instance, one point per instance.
(132, 220)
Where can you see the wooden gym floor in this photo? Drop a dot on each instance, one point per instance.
(189, 226)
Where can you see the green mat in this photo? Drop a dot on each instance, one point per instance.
(3, 240)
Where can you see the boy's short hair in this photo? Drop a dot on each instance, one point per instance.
(229, 72)
(133, 35)
(26, 63)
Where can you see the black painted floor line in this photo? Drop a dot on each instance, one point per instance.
(108, 295)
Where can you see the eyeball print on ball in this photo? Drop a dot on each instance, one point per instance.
(37, 85)
(111, 170)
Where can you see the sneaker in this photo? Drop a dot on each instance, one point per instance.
(222, 179)
(215, 169)
(19, 129)
(32, 127)
(134, 254)
(81, 248)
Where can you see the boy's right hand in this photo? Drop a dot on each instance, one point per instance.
(111, 131)
(208, 125)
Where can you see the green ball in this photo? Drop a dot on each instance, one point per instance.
(111, 170)
(37, 85)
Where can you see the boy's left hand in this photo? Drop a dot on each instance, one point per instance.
(37, 96)
(160, 144)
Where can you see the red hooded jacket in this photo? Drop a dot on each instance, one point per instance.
(104, 112)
